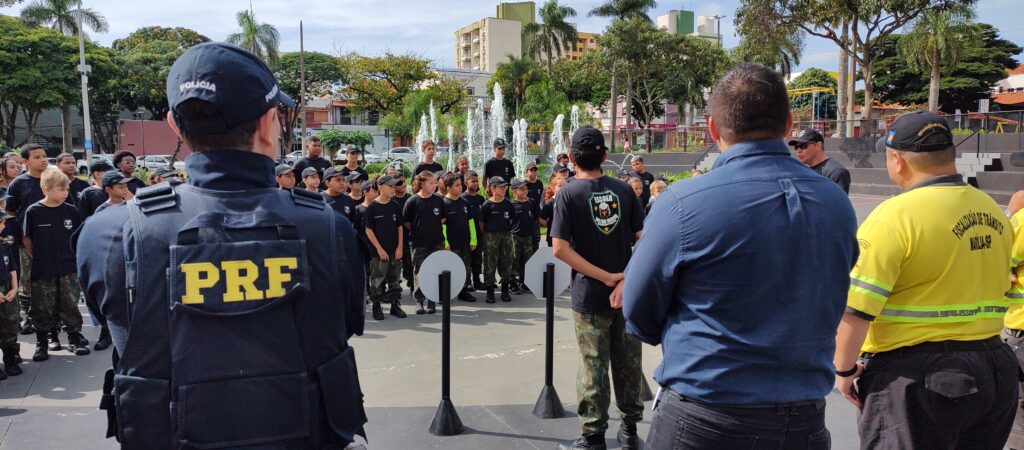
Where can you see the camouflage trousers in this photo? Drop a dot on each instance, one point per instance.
(55, 301)
(385, 280)
(523, 250)
(9, 320)
(603, 341)
(25, 281)
(419, 254)
(498, 257)
(466, 255)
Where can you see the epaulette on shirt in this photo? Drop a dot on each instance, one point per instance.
(308, 199)
(157, 197)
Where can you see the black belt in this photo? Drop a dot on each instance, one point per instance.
(815, 404)
(991, 343)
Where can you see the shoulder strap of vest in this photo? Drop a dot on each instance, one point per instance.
(308, 199)
(157, 197)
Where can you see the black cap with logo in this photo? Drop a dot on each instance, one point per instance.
(807, 137)
(919, 131)
(500, 143)
(588, 138)
(237, 82)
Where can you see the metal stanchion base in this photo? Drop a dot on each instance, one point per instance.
(548, 405)
(446, 420)
(647, 394)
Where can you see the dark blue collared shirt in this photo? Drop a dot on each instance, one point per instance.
(741, 275)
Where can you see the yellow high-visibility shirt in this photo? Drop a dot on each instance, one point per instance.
(934, 266)
(1015, 316)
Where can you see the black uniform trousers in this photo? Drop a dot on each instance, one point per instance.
(939, 395)
(1015, 339)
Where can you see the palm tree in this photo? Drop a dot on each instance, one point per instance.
(63, 16)
(934, 44)
(552, 35)
(515, 76)
(622, 10)
(260, 39)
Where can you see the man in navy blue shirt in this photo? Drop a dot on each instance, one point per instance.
(741, 276)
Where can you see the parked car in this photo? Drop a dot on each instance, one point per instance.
(404, 154)
(293, 157)
(153, 162)
(374, 157)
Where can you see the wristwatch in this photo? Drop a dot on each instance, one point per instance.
(847, 373)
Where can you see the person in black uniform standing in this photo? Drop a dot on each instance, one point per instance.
(429, 150)
(352, 163)
(640, 171)
(67, 164)
(498, 166)
(475, 200)
(335, 194)
(313, 158)
(125, 162)
(265, 290)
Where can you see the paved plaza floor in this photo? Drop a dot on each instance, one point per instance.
(497, 374)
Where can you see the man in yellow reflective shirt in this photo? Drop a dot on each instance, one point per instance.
(926, 304)
(1013, 334)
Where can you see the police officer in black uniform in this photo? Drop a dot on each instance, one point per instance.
(230, 302)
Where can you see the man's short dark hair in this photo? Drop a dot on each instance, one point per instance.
(120, 156)
(61, 156)
(450, 178)
(26, 151)
(237, 138)
(313, 139)
(750, 102)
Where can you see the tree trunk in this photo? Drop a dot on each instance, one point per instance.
(615, 107)
(11, 126)
(933, 84)
(67, 129)
(851, 91)
(30, 125)
(841, 91)
(649, 134)
(628, 110)
(868, 98)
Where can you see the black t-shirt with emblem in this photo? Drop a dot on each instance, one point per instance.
(75, 188)
(475, 201)
(535, 191)
(599, 218)
(50, 229)
(8, 263)
(499, 168)
(384, 219)
(525, 217)
(359, 222)
(645, 195)
(424, 216)
(497, 217)
(342, 204)
(457, 223)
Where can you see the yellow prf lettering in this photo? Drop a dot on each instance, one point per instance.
(236, 281)
(276, 276)
(198, 276)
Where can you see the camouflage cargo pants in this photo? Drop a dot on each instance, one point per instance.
(419, 254)
(385, 280)
(603, 341)
(9, 320)
(498, 256)
(25, 280)
(467, 260)
(55, 301)
(523, 250)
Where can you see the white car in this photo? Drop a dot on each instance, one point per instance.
(374, 157)
(154, 162)
(294, 157)
(404, 154)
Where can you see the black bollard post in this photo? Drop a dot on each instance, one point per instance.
(446, 420)
(548, 405)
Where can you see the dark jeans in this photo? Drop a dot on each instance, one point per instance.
(1015, 339)
(679, 423)
(939, 395)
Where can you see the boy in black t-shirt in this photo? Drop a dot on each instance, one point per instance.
(498, 166)
(25, 192)
(9, 317)
(369, 196)
(285, 176)
(311, 179)
(423, 216)
(459, 228)
(475, 201)
(383, 228)
(55, 289)
(429, 150)
(524, 230)
(400, 198)
(355, 186)
(596, 220)
(335, 195)
(94, 196)
(496, 220)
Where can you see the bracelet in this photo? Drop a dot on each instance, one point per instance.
(847, 373)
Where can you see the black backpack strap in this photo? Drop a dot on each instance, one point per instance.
(302, 197)
(156, 198)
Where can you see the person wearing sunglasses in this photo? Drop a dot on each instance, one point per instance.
(810, 150)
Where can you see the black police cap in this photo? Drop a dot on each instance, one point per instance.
(588, 138)
(919, 131)
(500, 143)
(807, 137)
(237, 82)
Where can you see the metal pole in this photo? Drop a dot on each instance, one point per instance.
(548, 405)
(444, 298)
(302, 83)
(84, 70)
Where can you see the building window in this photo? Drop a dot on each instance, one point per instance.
(470, 91)
(373, 117)
(344, 116)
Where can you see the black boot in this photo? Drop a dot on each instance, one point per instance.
(41, 341)
(77, 344)
(430, 307)
(505, 297)
(589, 442)
(26, 327)
(419, 307)
(466, 296)
(54, 338)
(378, 313)
(513, 287)
(523, 289)
(627, 437)
(490, 295)
(396, 309)
(104, 340)
(479, 285)
(11, 360)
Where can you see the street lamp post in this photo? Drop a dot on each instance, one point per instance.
(83, 70)
(718, 24)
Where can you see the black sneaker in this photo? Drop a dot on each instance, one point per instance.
(505, 297)
(11, 361)
(523, 289)
(627, 436)
(77, 344)
(490, 296)
(27, 328)
(378, 313)
(583, 443)
(430, 307)
(396, 309)
(514, 288)
(419, 308)
(54, 338)
(41, 354)
(479, 285)
(466, 296)
(103, 342)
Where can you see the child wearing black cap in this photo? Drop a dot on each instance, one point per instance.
(400, 198)
(382, 225)
(355, 186)
(498, 166)
(475, 201)
(335, 195)
(93, 196)
(496, 217)
(352, 163)
(423, 216)
(524, 226)
(115, 186)
(369, 195)
(459, 228)
(285, 176)
(311, 179)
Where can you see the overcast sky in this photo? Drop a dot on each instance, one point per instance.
(425, 27)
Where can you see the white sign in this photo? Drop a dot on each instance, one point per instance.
(983, 105)
(538, 264)
(432, 268)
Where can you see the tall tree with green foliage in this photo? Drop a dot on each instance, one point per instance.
(322, 72)
(779, 50)
(515, 76)
(260, 39)
(381, 83)
(147, 55)
(933, 45)
(619, 10)
(552, 35)
(815, 78)
(585, 80)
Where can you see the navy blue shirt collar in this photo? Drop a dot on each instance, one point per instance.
(230, 170)
(954, 179)
(751, 148)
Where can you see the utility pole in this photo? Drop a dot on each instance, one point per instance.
(301, 109)
(718, 22)
(83, 70)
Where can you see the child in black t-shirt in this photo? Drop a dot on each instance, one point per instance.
(475, 200)
(9, 317)
(311, 179)
(401, 197)
(524, 228)
(55, 289)
(459, 228)
(423, 216)
(382, 227)
(496, 218)
(370, 194)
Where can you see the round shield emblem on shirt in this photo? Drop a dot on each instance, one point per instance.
(437, 212)
(604, 209)
(348, 210)
(506, 214)
(67, 224)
